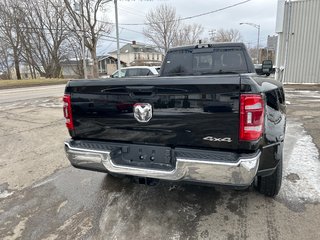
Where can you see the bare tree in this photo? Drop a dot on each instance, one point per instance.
(75, 56)
(88, 13)
(188, 34)
(162, 26)
(5, 60)
(11, 17)
(223, 35)
(44, 37)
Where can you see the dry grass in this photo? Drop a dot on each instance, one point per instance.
(6, 84)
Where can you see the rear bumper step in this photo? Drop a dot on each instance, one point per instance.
(238, 172)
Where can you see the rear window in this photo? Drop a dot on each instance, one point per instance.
(135, 72)
(204, 61)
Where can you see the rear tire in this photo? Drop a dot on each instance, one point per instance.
(270, 185)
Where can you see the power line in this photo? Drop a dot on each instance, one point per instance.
(131, 30)
(38, 28)
(122, 39)
(143, 24)
(114, 41)
(131, 12)
(189, 17)
(217, 10)
(135, 31)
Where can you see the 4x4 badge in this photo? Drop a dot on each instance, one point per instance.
(142, 112)
(213, 139)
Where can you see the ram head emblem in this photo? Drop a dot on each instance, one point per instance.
(142, 112)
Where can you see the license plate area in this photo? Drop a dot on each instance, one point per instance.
(143, 156)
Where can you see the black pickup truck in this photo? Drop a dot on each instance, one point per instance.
(207, 118)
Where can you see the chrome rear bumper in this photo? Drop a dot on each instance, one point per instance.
(239, 173)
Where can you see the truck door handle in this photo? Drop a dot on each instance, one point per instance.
(137, 92)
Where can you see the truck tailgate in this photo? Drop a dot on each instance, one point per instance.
(196, 111)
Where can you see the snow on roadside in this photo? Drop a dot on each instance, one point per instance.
(302, 93)
(5, 193)
(301, 176)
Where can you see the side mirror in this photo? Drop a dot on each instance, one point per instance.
(267, 67)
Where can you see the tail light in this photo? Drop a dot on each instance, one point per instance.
(67, 111)
(251, 117)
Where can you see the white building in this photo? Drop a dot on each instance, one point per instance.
(134, 54)
(298, 54)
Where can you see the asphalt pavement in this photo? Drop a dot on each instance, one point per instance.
(43, 197)
(20, 94)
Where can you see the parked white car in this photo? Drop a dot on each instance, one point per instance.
(136, 71)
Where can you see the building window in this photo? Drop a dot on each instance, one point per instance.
(135, 56)
(148, 57)
(152, 56)
(158, 57)
(139, 57)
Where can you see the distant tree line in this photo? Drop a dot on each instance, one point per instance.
(164, 28)
(41, 34)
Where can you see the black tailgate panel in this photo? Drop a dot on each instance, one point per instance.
(186, 115)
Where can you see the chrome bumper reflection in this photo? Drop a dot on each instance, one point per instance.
(240, 173)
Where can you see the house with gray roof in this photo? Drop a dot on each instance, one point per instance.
(135, 54)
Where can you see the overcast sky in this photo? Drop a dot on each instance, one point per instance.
(262, 12)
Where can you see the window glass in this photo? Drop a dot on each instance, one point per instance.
(178, 62)
(204, 61)
(145, 72)
(281, 96)
(116, 74)
(229, 59)
(132, 72)
(272, 100)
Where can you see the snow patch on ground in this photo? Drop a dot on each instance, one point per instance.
(43, 182)
(301, 176)
(5, 194)
(302, 93)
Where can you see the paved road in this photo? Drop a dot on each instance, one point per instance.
(42, 197)
(20, 94)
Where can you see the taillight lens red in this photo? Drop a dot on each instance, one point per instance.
(67, 112)
(251, 117)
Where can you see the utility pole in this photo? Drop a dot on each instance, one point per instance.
(117, 33)
(257, 26)
(81, 13)
(117, 36)
(258, 44)
(85, 75)
(212, 34)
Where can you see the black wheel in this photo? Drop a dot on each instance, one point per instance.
(268, 74)
(270, 185)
